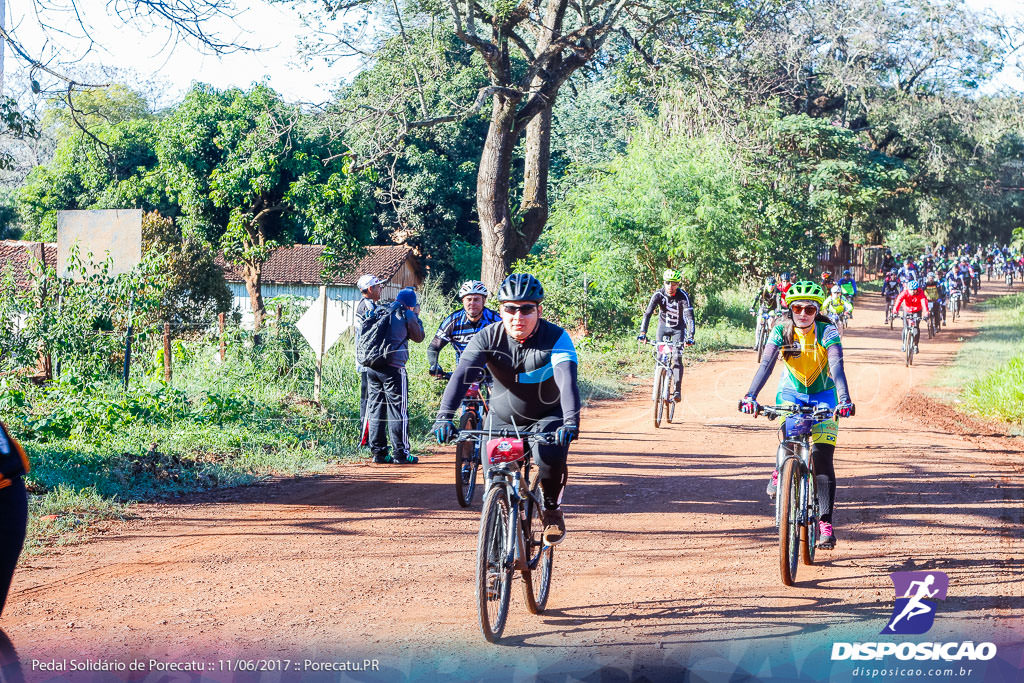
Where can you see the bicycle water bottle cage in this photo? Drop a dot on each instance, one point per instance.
(797, 426)
(505, 449)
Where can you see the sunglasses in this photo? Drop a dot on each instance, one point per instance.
(799, 309)
(525, 309)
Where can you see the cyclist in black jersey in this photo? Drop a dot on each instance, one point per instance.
(533, 365)
(459, 327)
(675, 320)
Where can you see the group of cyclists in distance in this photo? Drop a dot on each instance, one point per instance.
(530, 364)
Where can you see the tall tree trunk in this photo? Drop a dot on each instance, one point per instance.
(252, 273)
(534, 207)
(492, 193)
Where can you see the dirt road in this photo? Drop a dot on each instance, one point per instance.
(671, 557)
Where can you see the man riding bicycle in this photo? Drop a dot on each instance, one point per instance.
(533, 366)
(675, 321)
(848, 285)
(460, 327)
(813, 355)
(909, 271)
(936, 294)
(915, 301)
(891, 286)
(837, 304)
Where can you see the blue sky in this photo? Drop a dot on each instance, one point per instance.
(275, 28)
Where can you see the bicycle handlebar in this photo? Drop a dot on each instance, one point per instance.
(467, 434)
(772, 412)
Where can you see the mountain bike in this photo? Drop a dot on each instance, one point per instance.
(976, 282)
(763, 330)
(796, 503)
(989, 269)
(511, 536)
(934, 319)
(467, 453)
(911, 335)
(1008, 275)
(665, 363)
(954, 304)
(890, 314)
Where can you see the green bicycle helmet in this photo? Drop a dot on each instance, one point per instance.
(806, 290)
(671, 276)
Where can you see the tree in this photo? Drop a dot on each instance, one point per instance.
(251, 173)
(195, 289)
(552, 40)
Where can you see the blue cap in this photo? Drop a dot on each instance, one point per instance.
(407, 297)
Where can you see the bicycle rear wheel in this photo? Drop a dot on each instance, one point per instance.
(493, 575)
(762, 339)
(466, 464)
(659, 394)
(809, 530)
(539, 557)
(789, 524)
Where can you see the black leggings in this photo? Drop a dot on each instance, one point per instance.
(13, 520)
(824, 478)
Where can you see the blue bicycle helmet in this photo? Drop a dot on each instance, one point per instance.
(913, 285)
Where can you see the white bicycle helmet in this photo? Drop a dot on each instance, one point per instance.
(472, 287)
(836, 289)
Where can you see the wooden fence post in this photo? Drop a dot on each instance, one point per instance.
(167, 353)
(223, 341)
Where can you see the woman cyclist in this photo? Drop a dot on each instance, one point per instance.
(813, 355)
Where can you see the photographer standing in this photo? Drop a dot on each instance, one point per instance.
(387, 404)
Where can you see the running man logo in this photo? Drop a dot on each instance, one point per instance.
(914, 612)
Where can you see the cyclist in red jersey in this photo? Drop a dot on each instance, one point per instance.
(913, 297)
(914, 300)
(785, 282)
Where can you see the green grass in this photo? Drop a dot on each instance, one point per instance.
(988, 372)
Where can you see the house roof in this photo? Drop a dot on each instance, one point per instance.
(301, 264)
(16, 256)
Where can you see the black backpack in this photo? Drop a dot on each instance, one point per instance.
(373, 346)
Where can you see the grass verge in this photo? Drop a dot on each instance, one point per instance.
(988, 372)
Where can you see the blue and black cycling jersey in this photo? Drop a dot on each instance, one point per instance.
(458, 330)
(533, 380)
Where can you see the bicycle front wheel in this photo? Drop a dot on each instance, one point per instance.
(789, 524)
(659, 394)
(466, 462)
(493, 573)
(540, 558)
(670, 402)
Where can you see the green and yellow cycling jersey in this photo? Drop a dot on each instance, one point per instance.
(807, 371)
(836, 304)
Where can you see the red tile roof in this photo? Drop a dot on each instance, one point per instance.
(16, 256)
(301, 264)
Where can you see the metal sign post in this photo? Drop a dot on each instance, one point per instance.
(321, 326)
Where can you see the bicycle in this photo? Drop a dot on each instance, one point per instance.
(1008, 275)
(890, 314)
(796, 503)
(763, 329)
(665, 363)
(467, 455)
(954, 304)
(989, 270)
(934, 319)
(976, 281)
(911, 335)
(511, 536)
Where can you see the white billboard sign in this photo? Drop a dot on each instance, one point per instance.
(109, 233)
